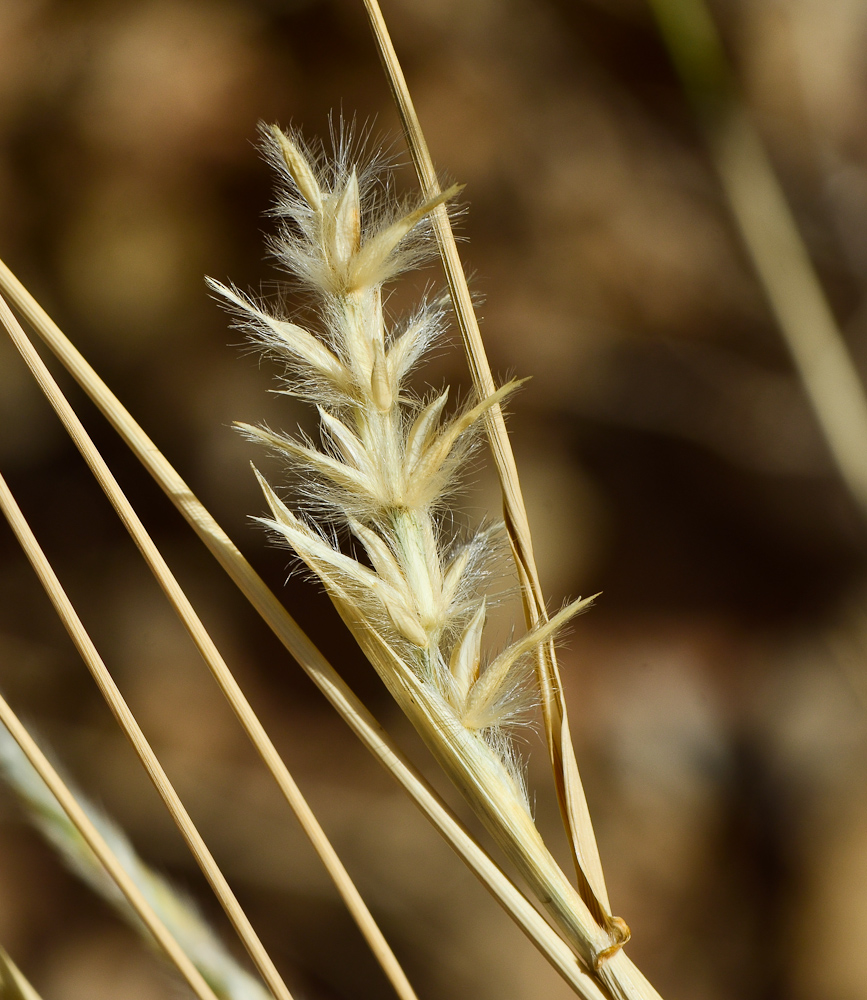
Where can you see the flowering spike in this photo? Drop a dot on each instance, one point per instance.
(422, 430)
(387, 460)
(337, 472)
(430, 462)
(380, 554)
(295, 346)
(351, 449)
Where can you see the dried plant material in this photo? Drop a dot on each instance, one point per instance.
(177, 912)
(13, 985)
(96, 842)
(126, 720)
(770, 234)
(387, 463)
(224, 678)
(416, 581)
(335, 689)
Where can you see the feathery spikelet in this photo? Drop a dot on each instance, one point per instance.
(222, 973)
(385, 467)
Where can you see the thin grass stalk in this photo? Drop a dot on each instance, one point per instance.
(131, 729)
(346, 703)
(119, 708)
(193, 934)
(770, 234)
(570, 791)
(100, 848)
(13, 984)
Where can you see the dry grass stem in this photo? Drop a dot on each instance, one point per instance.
(772, 239)
(13, 985)
(131, 729)
(570, 791)
(781, 259)
(96, 842)
(299, 645)
(106, 684)
(190, 930)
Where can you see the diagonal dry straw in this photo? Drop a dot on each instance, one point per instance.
(127, 722)
(326, 678)
(570, 792)
(13, 985)
(100, 848)
(108, 688)
(771, 237)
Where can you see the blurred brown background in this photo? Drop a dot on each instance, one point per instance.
(718, 688)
